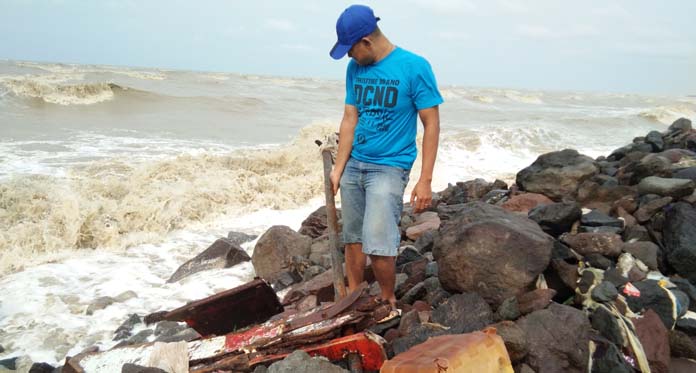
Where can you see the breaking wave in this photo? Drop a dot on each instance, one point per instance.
(114, 204)
(668, 114)
(61, 93)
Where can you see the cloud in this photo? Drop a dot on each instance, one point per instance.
(447, 7)
(277, 24)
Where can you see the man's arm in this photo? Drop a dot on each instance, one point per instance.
(345, 144)
(422, 193)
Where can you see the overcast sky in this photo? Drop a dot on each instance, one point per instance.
(621, 46)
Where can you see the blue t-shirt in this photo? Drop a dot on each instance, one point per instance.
(388, 95)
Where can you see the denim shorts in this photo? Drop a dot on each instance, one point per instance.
(371, 204)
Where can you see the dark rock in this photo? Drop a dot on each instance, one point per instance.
(490, 251)
(645, 251)
(562, 277)
(435, 293)
(312, 272)
(608, 325)
(419, 335)
(523, 368)
(608, 358)
(648, 209)
(408, 254)
(514, 338)
(675, 188)
(651, 165)
(683, 302)
(596, 218)
(687, 288)
(2, 349)
(134, 368)
(463, 313)
(680, 125)
(275, 248)
(653, 297)
(654, 337)
(599, 261)
(563, 252)
(606, 244)
(10, 363)
(315, 224)
(186, 335)
(240, 237)
(556, 218)
(409, 322)
(140, 337)
(424, 243)
(299, 361)
(467, 191)
(688, 325)
(557, 174)
(679, 237)
(636, 233)
(686, 173)
(681, 345)
(525, 202)
(508, 310)
(591, 194)
(223, 253)
(614, 276)
(415, 293)
(587, 279)
(41, 368)
(535, 300)
(168, 328)
(99, 304)
(431, 269)
(605, 292)
(447, 212)
(681, 365)
(285, 279)
(124, 331)
(550, 348)
(654, 138)
(603, 229)
(495, 196)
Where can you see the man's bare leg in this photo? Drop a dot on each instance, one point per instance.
(384, 268)
(355, 265)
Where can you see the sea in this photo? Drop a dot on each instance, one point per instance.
(112, 177)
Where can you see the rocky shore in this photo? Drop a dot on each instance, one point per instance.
(582, 265)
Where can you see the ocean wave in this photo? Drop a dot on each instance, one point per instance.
(61, 68)
(115, 204)
(55, 90)
(669, 113)
(523, 98)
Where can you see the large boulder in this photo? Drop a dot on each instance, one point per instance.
(557, 174)
(463, 313)
(675, 188)
(679, 236)
(557, 339)
(556, 218)
(315, 225)
(275, 248)
(488, 250)
(223, 253)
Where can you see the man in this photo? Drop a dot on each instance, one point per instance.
(387, 88)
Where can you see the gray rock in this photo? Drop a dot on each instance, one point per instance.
(186, 335)
(418, 335)
(608, 358)
(417, 292)
(688, 173)
(508, 310)
(99, 304)
(654, 297)
(41, 368)
(646, 251)
(604, 292)
(675, 188)
(651, 165)
(134, 368)
(680, 125)
(125, 329)
(606, 244)
(599, 261)
(550, 348)
(636, 233)
(596, 218)
(557, 174)
(275, 248)
(491, 251)
(223, 253)
(407, 254)
(608, 325)
(514, 338)
(312, 272)
(300, 362)
(654, 138)
(556, 218)
(463, 313)
(648, 209)
(424, 243)
(168, 328)
(431, 269)
(687, 288)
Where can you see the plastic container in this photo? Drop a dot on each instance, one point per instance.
(477, 352)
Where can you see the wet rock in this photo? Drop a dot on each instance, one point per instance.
(596, 218)
(275, 248)
(675, 188)
(99, 304)
(550, 348)
(606, 244)
(463, 192)
(681, 345)
(608, 326)
(488, 250)
(223, 253)
(679, 235)
(514, 338)
(426, 221)
(523, 203)
(605, 292)
(645, 251)
(654, 138)
(41, 368)
(463, 313)
(10, 363)
(240, 237)
(557, 174)
(608, 358)
(154, 317)
(654, 337)
(556, 218)
(166, 328)
(140, 337)
(125, 329)
(535, 300)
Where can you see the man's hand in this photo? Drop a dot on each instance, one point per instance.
(335, 178)
(421, 196)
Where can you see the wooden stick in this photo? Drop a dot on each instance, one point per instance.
(336, 257)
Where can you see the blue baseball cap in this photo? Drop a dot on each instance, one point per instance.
(356, 22)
